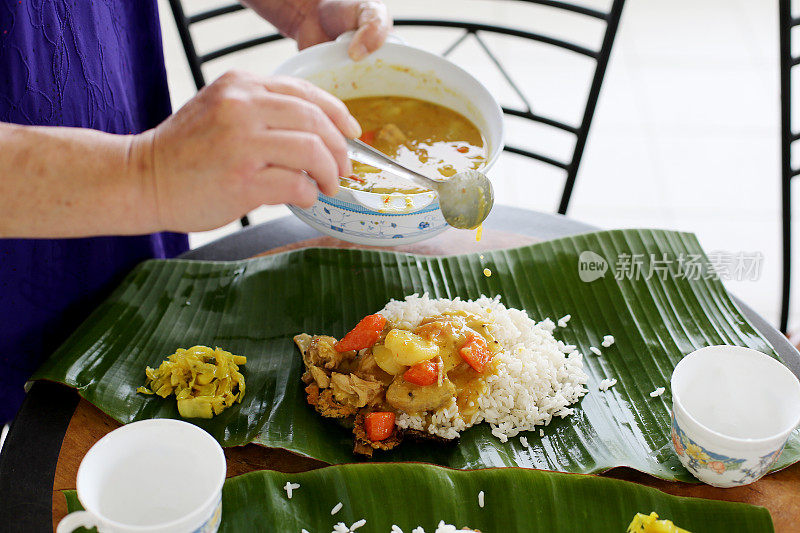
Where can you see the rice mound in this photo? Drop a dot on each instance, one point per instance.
(537, 377)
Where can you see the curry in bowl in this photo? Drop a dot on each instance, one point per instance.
(430, 138)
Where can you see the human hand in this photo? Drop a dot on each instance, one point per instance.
(241, 142)
(328, 19)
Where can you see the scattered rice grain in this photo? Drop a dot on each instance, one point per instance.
(524, 441)
(658, 392)
(481, 498)
(607, 384)
(289, 487)
(608, 340)
(562, 322)
(336, 508)
(595, 350)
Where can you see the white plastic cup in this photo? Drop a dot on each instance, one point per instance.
(733, 410)
(153, 476)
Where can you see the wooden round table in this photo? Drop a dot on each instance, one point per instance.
(55, 429)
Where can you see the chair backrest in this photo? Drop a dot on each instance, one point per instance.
(479, 33)
(788, 138)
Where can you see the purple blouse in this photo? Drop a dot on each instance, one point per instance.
(83, 63)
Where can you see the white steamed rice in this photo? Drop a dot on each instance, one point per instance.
(535, 380)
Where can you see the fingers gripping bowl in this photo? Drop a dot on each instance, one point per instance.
(396, 70)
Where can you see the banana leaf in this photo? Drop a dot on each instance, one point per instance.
(254, 307)
(515, 499)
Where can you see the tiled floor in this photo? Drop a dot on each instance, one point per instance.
(686, 130)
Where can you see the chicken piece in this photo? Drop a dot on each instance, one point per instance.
(325, 403)
(350, 389)
(321, 377)
(391, 135)
(366, 367)
(365, 446)
(318, 351)
(303, 341)
(412, 398)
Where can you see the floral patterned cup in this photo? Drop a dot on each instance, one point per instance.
(733, 409)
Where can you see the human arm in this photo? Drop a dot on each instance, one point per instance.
(70, 182)
(311, 22)
(241, 142)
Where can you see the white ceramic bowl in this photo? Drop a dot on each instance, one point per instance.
(151, 476)
(733, 409)
(394, 70)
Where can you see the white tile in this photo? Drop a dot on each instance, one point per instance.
(618, 171)
(709, 99)
(686, 32)
(722, 174)
(760, 28)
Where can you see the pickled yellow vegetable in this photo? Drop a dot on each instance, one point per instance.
(643, 523)
(386, 360)
(409, 348)
(205, 381)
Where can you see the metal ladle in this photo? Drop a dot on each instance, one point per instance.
(465, 198)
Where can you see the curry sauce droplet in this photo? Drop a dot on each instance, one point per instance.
(479, 233)
(487, 272)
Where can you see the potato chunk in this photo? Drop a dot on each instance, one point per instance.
(409, 348)
(415, 399)
(386, 360)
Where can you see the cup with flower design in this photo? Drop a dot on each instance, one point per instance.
(733, 409)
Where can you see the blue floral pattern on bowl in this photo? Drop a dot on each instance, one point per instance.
(704, 463)
(355, 223)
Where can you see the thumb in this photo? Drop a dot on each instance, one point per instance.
(374, 25)
(369, 18)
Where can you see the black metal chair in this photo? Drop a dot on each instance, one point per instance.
(787, 23)
(471, 30)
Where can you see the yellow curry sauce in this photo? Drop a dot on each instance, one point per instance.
(449, 332)
(427, 137)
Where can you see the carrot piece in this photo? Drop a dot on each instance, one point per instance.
(357, 178)
(463, 149)
(368, 137)
(365, 334)
(424, 373)
(475, 352)
(379, 425)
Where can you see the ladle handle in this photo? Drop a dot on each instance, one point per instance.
(364, 153)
